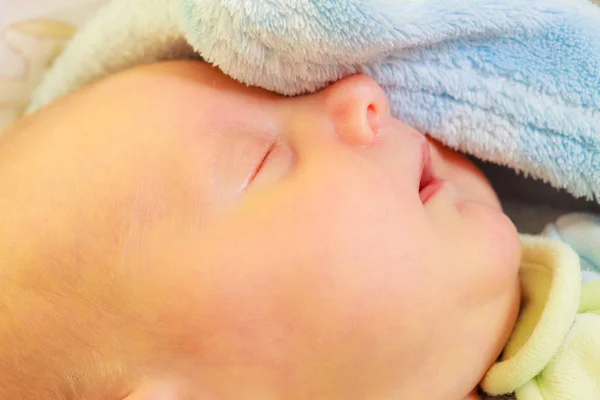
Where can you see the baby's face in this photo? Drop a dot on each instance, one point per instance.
(311, 246)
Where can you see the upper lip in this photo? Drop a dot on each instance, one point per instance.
(427, 176)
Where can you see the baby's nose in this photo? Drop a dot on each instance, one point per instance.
(356, 105)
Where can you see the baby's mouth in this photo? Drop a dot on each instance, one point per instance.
(429, 184)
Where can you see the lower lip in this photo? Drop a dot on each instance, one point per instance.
(430, 190)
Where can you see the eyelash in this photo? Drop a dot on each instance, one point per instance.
(262, 163)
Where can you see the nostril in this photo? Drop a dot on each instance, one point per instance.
(358, 107)
(373, 119)
(362, 125)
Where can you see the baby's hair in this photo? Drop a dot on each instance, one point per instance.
(38, 363)
(47, 350)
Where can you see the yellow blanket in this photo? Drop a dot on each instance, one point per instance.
(554, 351)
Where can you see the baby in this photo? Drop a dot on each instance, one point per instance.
(168, 233)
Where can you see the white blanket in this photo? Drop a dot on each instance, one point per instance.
(32, 33)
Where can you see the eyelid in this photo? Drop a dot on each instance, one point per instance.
(262, 162)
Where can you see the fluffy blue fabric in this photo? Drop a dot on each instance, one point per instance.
(582, 232)
(515, 82)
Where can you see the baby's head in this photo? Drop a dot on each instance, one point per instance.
(309, 247)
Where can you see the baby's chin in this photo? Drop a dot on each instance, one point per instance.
(474, 395)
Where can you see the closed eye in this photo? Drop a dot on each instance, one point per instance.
(262, 163)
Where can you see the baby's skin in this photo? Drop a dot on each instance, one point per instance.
(168, 233)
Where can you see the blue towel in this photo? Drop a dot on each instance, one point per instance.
(514, 82)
